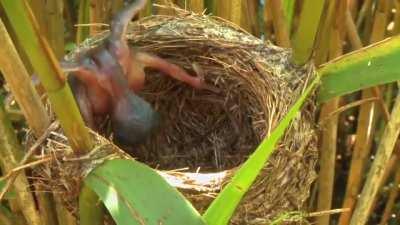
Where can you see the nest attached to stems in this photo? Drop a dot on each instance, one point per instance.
(212, 132)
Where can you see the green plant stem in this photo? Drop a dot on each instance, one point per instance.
(323, 37)
(288, 9)
(49, 72)
(88, 214)
(303, 41)
(49, 15)
(83, 18)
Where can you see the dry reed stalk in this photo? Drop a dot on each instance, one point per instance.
(324, 33)
(250, 20)
(353, 6)
(9, 157)
(21, 87)
(375, 175)
(366, 123)
(166, 9)
(330, 128)
(280, 27)
(20, 84)
(101, 12)
(391, 201)
(230, 10)
(196, 6)
(268, 21)
(396, 29)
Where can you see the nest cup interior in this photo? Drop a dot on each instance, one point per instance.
(200, 129)
(205, 130)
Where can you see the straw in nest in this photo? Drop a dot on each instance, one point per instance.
(213, 132)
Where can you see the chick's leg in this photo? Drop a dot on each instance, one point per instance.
(148, 60)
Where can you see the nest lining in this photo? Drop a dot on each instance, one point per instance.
(215, 131)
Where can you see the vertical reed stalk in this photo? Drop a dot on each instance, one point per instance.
(230, 10)
(65, 217)
(280, 25)
(83, 32)
(29, 101)
(323, 37)
(396, 29)
(366, 125)
(10, 155)
(196, 6)
(289, 10)
(268, 21)
(45, 64)
(164, 11)
(304, 36)
(366, 201)
(375, 175)
(394, 192)
(330, 127)
(250, 18)
(18, 79)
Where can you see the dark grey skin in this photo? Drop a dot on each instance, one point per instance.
(104, 81)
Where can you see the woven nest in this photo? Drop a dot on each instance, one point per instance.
(210, 133)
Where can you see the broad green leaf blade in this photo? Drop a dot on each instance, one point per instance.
(135, 194)
(223, 207)
(373, 65)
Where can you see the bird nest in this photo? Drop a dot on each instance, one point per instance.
(206, 134)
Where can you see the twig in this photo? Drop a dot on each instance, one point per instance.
(27, 156)
(28, 165)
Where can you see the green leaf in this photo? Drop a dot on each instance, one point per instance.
(135, 194)
(223, 207)
(370, 66)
